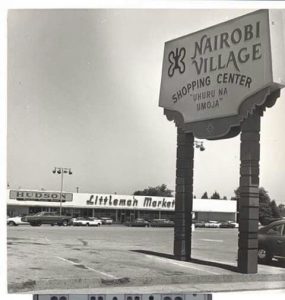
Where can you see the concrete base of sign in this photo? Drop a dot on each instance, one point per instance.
(247, 261)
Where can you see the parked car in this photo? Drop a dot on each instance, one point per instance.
(200, 224)
(235, 223)
(81, 221)
(267, 221)
(15, 221)
(138, 223)
(161, 223)
(271, 241)
(48, 218)
(106, 220)
(212, 224)
(227, 224)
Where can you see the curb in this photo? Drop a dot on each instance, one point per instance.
(34, 286)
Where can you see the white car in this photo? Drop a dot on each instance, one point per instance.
(212, 224)
(106, 220)
(235, 223)
(87, 222)
(15, 221)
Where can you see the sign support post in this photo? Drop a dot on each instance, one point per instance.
(216, 83)
(184, 195)
(249, 194)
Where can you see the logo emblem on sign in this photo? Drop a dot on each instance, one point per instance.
(176, 61)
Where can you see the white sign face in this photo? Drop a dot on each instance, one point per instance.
(129, 202)
(208, 74)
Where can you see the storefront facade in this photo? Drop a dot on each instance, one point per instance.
(120, 208)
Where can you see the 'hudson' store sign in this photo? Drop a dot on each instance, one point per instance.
(40, 196)
(208, 74)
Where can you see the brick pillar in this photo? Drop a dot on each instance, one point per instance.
(249, 195)
(184, 195)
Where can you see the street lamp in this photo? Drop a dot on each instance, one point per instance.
(61, 171)
(199, 145)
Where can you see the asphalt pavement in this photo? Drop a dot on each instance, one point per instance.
(119, 259)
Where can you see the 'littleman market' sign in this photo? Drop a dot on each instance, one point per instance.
(209, 74)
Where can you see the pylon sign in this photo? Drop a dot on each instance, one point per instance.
(211, 78)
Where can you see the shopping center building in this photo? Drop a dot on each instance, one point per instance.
(120, 208)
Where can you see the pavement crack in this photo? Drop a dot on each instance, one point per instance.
(75, 260)
(80, 266)
(85, 243)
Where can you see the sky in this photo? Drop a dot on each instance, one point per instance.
(83, 91)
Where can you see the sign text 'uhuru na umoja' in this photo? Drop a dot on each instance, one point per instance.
(208, 74)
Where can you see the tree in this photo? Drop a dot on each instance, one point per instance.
(281, 208)
(275, 210)
(205, 196)
(160, 190)
(265, 211)
(236, 196)
(268, 209)
(216, 195)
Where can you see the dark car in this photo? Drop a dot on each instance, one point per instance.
(161, 223)
(138, 223)
(271, 241)
(227, 225)
(200, 224)
(267, 221)
(47, 218)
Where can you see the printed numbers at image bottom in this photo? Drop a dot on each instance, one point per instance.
(154, 296)
(51, 297)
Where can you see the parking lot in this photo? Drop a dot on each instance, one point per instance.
(59, 258)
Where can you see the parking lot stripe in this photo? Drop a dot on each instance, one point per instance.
(181, 264)
(209, 240)
(89, 268)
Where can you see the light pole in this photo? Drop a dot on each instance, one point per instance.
(61, 171)
(199, 145)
